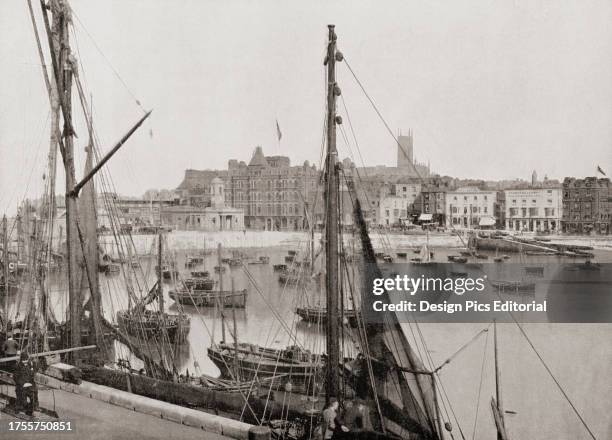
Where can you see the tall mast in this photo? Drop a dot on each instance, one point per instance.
(59, 43)
(160, 290)
(496, 404)
(5, 265)
(220, 303)
(331, 229)
(497, 372)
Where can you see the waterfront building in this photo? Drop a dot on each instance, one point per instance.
(470, 207)
(431, 202)
(131, 212)
(409, 191)
(392, 211)
(273, 194)
(217, 216)
(533, 209)
(587, 205)
(195, 188)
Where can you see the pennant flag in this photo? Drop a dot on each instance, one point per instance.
(600, 170)
(278, 131)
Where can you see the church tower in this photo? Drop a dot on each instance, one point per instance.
(404, 150)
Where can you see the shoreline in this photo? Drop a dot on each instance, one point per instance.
(198, 240)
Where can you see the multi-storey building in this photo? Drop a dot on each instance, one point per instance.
(392, 211)
(273, 194)
(431, 202)
(409, 191)
(587, 205)
(533, 209)
(470, 207)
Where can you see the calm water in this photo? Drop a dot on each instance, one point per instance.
(580, 356)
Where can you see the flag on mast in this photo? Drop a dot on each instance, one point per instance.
(279, 134)
(600, 170)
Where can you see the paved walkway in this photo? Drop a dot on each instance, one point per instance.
(94, 420)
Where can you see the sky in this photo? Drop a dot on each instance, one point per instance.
(491, 89)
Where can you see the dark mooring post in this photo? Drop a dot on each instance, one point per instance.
(331, 228)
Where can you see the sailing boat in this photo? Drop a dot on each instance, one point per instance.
(149, 324)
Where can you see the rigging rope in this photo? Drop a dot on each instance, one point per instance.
(482, 369)
(543, 362)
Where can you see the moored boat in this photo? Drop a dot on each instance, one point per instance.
(514, 286)
(210, 298)
(292, 365)
(150, 324)
(318, 315)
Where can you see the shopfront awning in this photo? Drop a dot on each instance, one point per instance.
(425, 217)
(486, 221)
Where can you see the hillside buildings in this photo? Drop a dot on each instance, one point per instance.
(407, 165)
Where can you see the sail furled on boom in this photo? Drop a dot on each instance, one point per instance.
(404, 388)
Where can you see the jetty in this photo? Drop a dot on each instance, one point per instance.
(520, 245)
(90, 407)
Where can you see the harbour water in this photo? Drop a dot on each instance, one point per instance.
(579, 355)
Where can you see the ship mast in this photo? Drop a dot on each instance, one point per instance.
(160, 289)
(331, 228)
(62, 68)
(496, 403)
(63, 64)
(5, 266)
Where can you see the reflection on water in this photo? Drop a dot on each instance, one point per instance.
(579, 355)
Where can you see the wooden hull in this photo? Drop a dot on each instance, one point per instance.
(150, 325)
(253, 362)
(209, 298)
(514, 286)
(197, 284)
(318, 315)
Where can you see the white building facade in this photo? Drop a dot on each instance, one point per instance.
(535, 209)
(470, 208)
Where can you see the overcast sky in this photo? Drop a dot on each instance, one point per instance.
(491, 89)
